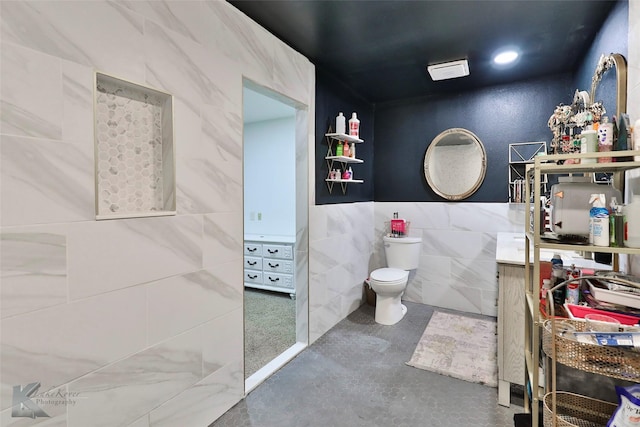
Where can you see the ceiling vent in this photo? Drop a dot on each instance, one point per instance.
(449, 70)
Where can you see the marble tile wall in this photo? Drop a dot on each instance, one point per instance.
(341, 243)
(134, 148)
(457, 266)
(136, 322)
(145, 315)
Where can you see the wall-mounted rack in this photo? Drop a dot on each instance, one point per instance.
(331, 158)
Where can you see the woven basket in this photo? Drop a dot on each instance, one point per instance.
(615, 362)
(573, 410)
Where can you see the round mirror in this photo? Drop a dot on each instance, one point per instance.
(610, 88)
(455, 164)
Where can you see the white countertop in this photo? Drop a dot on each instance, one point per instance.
(270, 238)
(510, 250)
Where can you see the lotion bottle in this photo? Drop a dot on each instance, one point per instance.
(354, 126)
(341, 126)
(346, 151)
(605, 139)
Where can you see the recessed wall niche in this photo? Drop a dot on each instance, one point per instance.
(134, 150)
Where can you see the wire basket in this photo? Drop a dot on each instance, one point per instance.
(574, 410)
(614, 362)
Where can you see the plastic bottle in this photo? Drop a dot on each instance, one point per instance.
(631, 213)
(353, 150)
(573, 288)
(354, 126)
(616, 224)
(346, 151)
(398, 226)
(558, 275)
(588, 144)
(573, 293)
(341, 126)
(339, 149)
(598, 221)
(350, 173)
(605, 139)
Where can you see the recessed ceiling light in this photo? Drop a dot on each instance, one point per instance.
(505, 57)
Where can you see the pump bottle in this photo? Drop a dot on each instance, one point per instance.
(354, 126)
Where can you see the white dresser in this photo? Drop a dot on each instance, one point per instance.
(269, 264)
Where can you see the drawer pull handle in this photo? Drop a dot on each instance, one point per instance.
(272, 252)
(252, 262)
(252, 277)
(274, 280)
(274, 266)
(252, 249)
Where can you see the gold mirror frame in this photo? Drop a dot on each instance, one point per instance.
(606, 63)
(454, 165)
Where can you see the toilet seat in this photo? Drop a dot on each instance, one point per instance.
(389, 276)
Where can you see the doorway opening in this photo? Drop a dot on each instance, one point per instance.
(275, 169)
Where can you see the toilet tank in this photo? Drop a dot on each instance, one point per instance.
(402, 252)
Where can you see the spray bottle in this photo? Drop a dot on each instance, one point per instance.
(598, 221)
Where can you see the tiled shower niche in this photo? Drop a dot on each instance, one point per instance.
(134, 150)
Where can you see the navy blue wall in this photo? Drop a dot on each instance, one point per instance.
(331, 98)
(612, 38)
(497, 115)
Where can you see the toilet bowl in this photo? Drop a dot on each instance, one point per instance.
(389, 283)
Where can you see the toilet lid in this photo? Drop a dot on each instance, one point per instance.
(389, 274)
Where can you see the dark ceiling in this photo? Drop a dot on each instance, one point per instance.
(380, 49)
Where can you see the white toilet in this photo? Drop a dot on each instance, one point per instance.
(403, 254)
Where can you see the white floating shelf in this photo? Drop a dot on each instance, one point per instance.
(344, 159)
(343, 137)
(355, 181)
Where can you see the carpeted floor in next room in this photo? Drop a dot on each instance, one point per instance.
(356, 375)
(270, 327)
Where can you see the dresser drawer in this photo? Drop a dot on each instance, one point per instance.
(277, 279)
(277, 266)
(254, 249)
(277, 251)
(253, 262)
(253, 276)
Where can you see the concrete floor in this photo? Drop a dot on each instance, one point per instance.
(355, 375)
